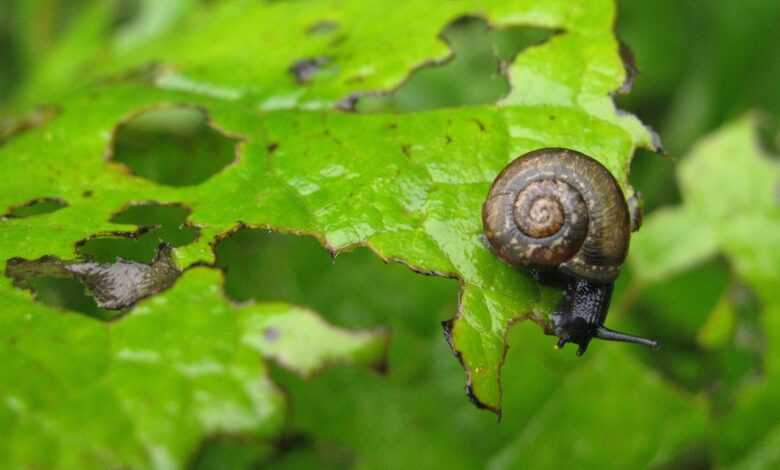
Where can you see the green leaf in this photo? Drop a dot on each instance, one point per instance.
(729, 187)
(670, 241)
(146, 390)
(408, 186)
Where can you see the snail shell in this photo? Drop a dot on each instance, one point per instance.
(558, 208)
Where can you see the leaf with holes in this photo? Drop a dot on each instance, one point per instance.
(421, 396)
(146, 390)
(222, 120)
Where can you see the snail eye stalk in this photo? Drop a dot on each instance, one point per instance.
(611, 335)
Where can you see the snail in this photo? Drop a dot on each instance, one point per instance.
(562, 215)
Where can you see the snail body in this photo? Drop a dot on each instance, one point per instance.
(562, 215)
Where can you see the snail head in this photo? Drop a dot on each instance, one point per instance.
(574, 330)
(579, 317)
(579, 333)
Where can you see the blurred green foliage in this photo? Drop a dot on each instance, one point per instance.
(703, 64)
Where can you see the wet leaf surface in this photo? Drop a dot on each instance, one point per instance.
(421, 209)
(407, 186)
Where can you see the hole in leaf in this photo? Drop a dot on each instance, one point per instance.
(423, 382)
(99, 290)
(160, 223)
(356, 289)
(656, 177)
(41, 206)
(173, 146)
(473, 74)
(68, 294)
(510, 41)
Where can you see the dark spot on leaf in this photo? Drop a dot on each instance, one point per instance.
(448, 139)
(271, 334)
(552, 118)
(157, 223)
(305, 69)
(406, 149)
(15, 125)
(272, 147)
(480, 124)
(40, 206)
(474, 73)
(113, 286)
(348, 103)
(322, 27)
(175, 146)
(87, 194)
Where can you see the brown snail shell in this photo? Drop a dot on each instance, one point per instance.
(559, 208)
(562, 214)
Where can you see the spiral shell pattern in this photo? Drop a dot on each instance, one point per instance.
(559, 208)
